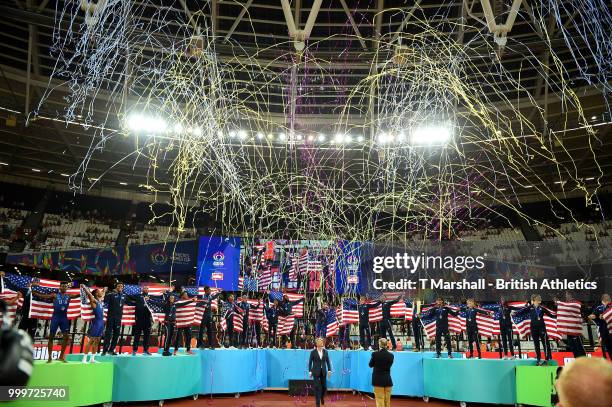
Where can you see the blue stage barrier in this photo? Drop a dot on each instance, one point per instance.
(231, 371)
(155, 377)
(292, 364)
(473, 380)
(406, 372)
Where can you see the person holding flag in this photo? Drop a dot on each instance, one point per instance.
(96, 328)
(503, 312)
(536, 313)
(143, 320)
(417, 327)
(245, 306)
(207, 318)
(385, 326)
(59, 319)
(569, 323)
(321, 316)
(229, 308)
(440, 312)
(25, 323)
(115, 301)
(271, 312)
(285, 310)
(365, 334)
(472, 327)
(169, 307)
(598, 316)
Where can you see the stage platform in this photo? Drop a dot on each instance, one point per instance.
(87, 383)
(127, 378)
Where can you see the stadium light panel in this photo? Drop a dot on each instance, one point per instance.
(431, 135)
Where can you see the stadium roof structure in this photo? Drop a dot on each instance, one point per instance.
(305, 69)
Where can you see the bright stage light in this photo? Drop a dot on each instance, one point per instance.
(282, 136)
(260, 135)
(348, 138)
(360, 139)
(197, 131)
(311, 138)
(178, 128)
(338, 139)
(321, 137)
(140, 123)
(232, 134)
(242, 134)
(401, 137)
(430, 135)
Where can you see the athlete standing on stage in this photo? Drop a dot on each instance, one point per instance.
(321, 321)
(245, 306)
(417, 327)
(472, 327)
(286, 309)
(506, 345)
(183, 334)
(604, 334)
(229, 308)
(365, 334)
(385, 326)
(207, 318)
(59, 319)
(144, 320)
(96, 327)
(272, 317)
(115, 301)
(538, 327)
(440, 311)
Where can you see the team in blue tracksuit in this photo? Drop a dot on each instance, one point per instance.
(205, 302)
(321, 316)
(245, 337)
(115, 301)
(385, 326)
(538, 328)
(604, 334)
(417, 328)
(228, 309)
(365, 335)
(286, 309)
(506, 347)
(271, 312)
(440, 311)
(472, 327)
(144, 320)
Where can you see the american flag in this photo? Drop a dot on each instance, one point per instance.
(246, 283)
(43, 309)
(429, 325)
(398, 310)
(199, 310)
(237, 319)
(607, 316)
(264, 278)
(375, 314)
(298, 309)
(569, 319)
(293, 269)
(11, 310)
(185, 313)
(486, 324)
(256, 315)
(285, 324)
(349, 313)
(409, 314)
(455, 324)
(496, 317)
(522, 323)
(158, 311)
(332, 324)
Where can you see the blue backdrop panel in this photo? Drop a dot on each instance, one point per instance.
(228, 371)
(472, 380)
(285, 365)
(156, 377)
(406, 372)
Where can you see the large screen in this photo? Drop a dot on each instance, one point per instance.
(218, 262)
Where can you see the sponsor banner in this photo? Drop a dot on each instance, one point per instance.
(348, 268)
(218, 262)
(150, 259)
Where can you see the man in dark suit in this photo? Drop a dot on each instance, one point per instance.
(381, 362)
(319, 359)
